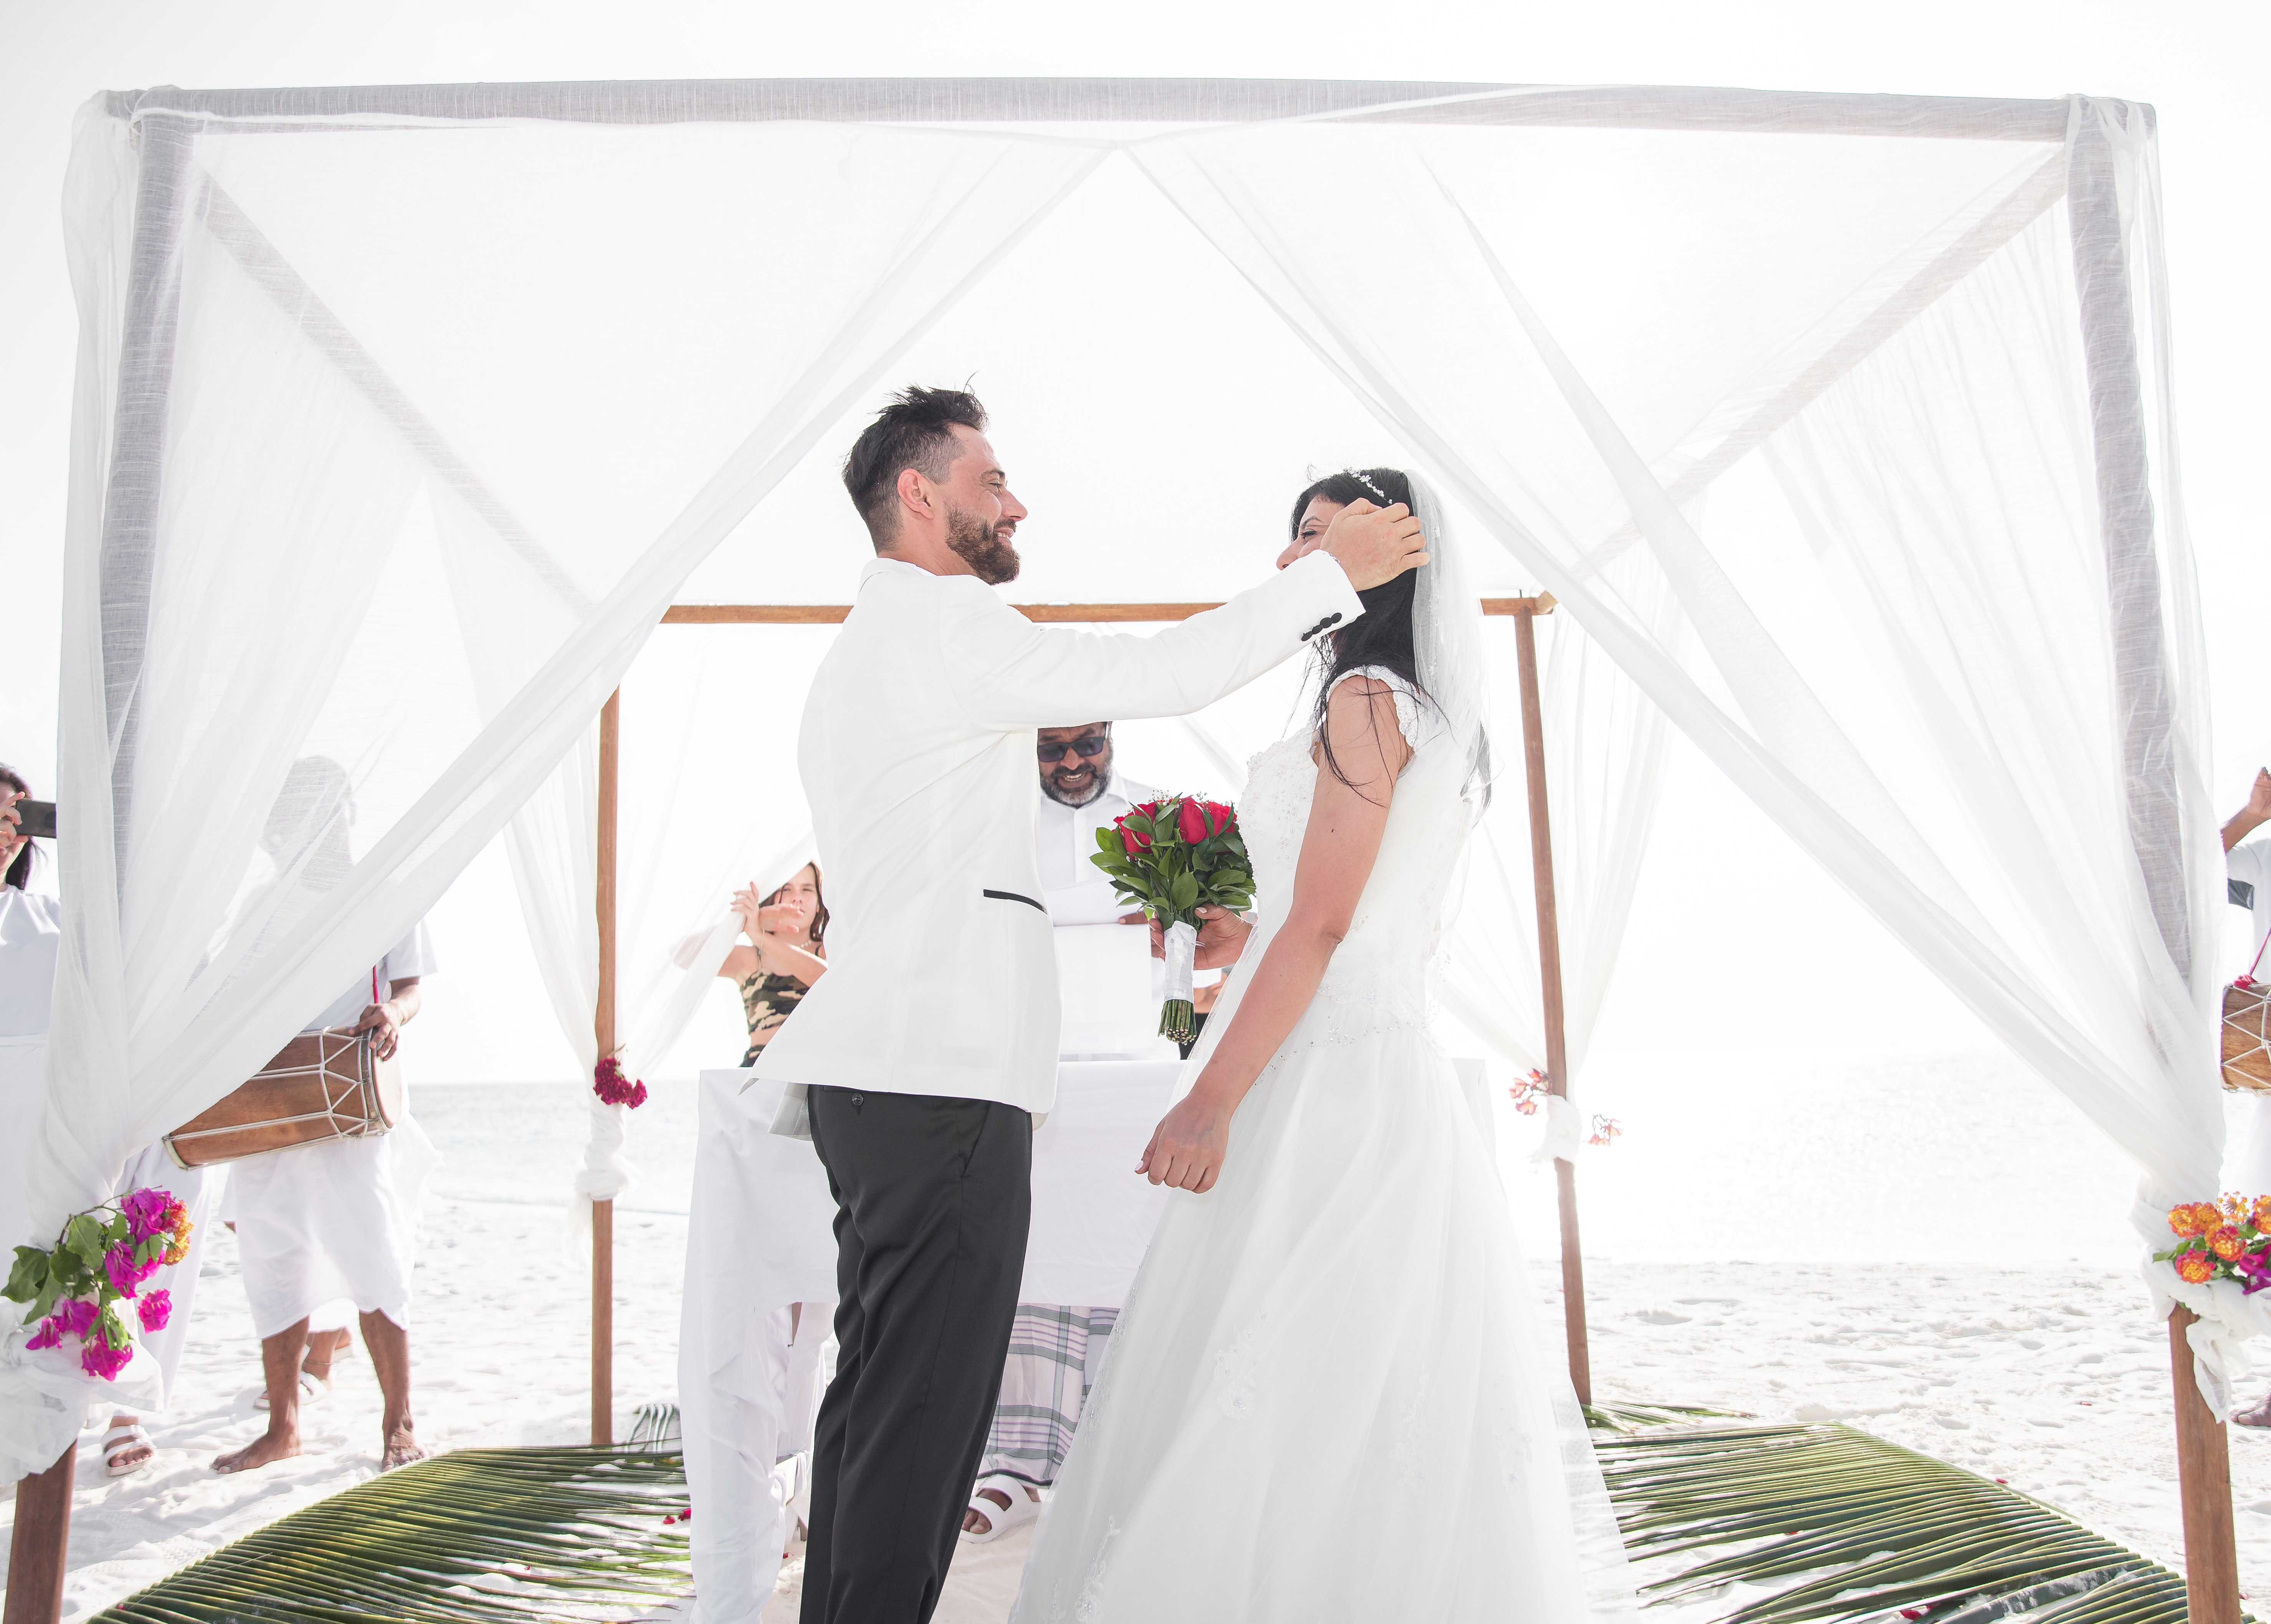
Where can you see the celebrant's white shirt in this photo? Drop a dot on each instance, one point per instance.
(1064, 837)
(916, 750)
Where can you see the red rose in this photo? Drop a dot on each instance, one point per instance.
(1132, 841)
(1191, 822)
(1219, 815)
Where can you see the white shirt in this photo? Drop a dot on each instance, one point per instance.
(916, 750)
(413, 955)
(1064, 837)
(31, 931)
(2248, 866)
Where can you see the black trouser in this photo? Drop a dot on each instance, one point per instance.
(932, 1198)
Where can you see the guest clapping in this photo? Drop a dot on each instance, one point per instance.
(787, 953)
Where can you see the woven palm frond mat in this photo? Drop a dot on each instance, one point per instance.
(1824, 1522)
(472, 1537)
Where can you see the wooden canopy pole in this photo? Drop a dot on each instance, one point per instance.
(833, 613)
(37, 1549)
(1549, 982)
(2204, 1488)
(603, 1030)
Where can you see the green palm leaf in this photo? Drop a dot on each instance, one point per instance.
(474, 1536)
(1844, 1526)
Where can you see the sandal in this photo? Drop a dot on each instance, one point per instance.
(123, 1441)
(313, 1389)
(1022, 1509)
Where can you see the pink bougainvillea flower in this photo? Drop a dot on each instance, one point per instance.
(147, 1211)
(154, 1308)
(49, 1336)
(99, 1358)
(75, 1317)
(126, 1275)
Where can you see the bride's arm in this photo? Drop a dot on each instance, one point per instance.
(1346, 821)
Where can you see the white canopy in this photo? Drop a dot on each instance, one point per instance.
(1839, 425)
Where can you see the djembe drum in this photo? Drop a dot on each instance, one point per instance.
(2246, 1044)
(321, 1085)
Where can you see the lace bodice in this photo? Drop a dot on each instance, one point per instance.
(1379, 975)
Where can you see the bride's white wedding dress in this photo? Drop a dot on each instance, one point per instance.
(1327, 1398)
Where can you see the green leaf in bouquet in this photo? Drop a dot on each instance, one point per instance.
(1183, 891)
(83, 1237)
(1233, 879)
(1108, 838)
(26, 1276)
(45, 1302)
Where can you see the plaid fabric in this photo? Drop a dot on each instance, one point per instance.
(1055, 1350)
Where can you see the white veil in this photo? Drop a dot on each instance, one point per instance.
(1447, 639)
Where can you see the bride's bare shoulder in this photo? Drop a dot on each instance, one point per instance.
(1365, 732)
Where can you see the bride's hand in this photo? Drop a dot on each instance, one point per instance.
(1188, 1146)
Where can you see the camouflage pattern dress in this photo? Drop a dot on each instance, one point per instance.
(767, 1000)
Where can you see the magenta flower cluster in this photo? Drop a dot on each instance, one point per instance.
(103, 1258)
(612, 1087)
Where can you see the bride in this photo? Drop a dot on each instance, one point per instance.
(1326, 1398)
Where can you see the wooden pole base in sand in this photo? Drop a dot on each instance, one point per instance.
(2204, 1481)
(41, 1539)
(603, 1322)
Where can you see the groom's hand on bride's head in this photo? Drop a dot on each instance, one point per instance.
(1374, 545)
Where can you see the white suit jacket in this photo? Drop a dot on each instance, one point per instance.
(917, 754)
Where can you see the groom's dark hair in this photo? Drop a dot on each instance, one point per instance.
(916, 430)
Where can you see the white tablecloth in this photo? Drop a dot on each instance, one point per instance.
(761, 1236)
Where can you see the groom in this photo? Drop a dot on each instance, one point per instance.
(919, 1065)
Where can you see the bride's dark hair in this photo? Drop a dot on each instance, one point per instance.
(1381, 637)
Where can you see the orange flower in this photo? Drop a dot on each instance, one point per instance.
(2262, 1213)
(2181, 1220)
(2196, 1267)
(2206, 1216)
(2226, 1243)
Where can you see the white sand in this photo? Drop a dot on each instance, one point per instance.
(2042, 1371)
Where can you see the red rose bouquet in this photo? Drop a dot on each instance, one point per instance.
(1172, 857)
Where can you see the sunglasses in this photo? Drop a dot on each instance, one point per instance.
(1087, 744)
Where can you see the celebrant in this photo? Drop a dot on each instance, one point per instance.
(1055, 1348)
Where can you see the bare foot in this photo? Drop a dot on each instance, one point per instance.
(2260, 1416)
(401, 1447)
(270, 1447)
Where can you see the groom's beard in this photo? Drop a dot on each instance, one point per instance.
(981, 547)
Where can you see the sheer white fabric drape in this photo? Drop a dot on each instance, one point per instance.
(686, 765)
(355, 474)
(251, 577)
(1605, 747)
(1944, 385)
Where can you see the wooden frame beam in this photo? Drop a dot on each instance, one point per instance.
(833, 613)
